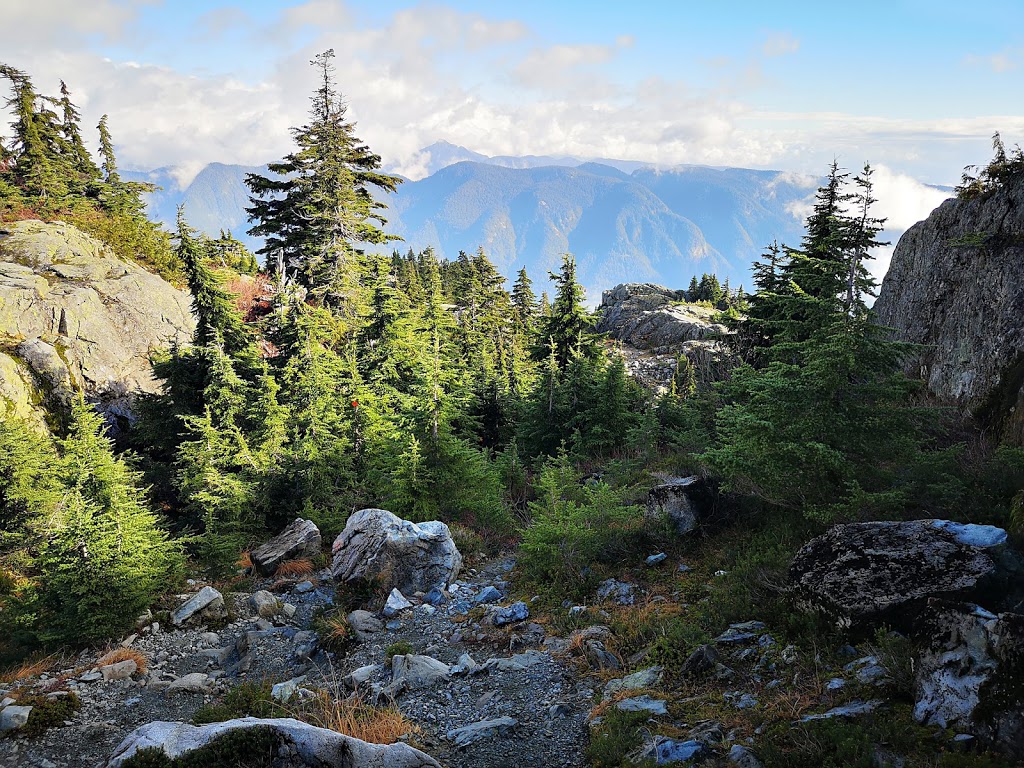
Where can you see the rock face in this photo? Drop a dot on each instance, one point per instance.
(956, 285)
(72, 314)
(864, 575)
(411, 557)
(971, 674)
(655, 328)
(301, 538)
(313, 746)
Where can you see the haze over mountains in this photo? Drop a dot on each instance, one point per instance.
(623, 220)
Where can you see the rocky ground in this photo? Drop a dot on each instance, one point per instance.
(532, 709)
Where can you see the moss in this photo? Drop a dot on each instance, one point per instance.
(238, 748)
(47, 712)
(401, 648)
(249, 699)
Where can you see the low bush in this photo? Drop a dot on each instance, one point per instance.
(249, 699)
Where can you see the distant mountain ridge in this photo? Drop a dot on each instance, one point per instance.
(624, 221)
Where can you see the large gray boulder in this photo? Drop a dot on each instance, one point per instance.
(970, 675)
(73, 314)
(679, 501)
(955, 287)
(864, 575)
(411, 557)
(301, 538)
(314, 746)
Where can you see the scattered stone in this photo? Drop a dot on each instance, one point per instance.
(835, 684)
(284, 691)
(411, 672)
(304, 586)
(466, 665)
(435, 597)
(744, 757)
(91, 677)
(617, 591)
(289, 610)
(684, 568)
(655, 559)
(665, 751)
(485, 729)
(13, 717)
(415, 557)
(311, 745)
(210, 638)
(643, 704)
(121, 670)
(868, 671)
(396, 603)
(194, 682)
(744, 632)
(515, 612)
(700, 662)
(488, 595)
(361, 676)
(266, 604)
(206, 604)
(364, 625)
(644, 678)
(741, 700)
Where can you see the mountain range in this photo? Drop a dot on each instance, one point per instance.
(624, 221)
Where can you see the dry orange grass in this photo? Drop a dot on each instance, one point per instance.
(294, 568)
(353, 717)
(244, 561)
(29, 668)
(124, 654)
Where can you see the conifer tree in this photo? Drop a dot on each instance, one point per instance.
(568, 331)
(321, 209)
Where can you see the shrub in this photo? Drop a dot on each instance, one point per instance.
(334, 630)
(573, 527)
(47, 712)
(256, 747)
(617, 735)
(249, 699)
(401, 648)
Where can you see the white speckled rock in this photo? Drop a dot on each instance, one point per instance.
(314, 745)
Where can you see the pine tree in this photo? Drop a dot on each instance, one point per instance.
(568, 330)
(524, 301)
(316, 216)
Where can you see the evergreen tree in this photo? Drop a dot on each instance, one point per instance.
(524, 301)
(568, 331)
(321, 209)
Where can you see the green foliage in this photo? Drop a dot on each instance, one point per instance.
(47, 712)
(399, 648)
(1001, 170)
(248, 699)
(615, 738)
(573, 527)
(256, 747)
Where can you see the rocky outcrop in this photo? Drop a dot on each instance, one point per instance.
(956, 286)
(73, 315)
(865, 575)
(970, 675)
(309, 744)
(411, 557)
(655, 327)
(301, 538)
(648, 316)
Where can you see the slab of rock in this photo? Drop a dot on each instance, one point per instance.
(411, 672)
(644, 703)
(744, 757)
(617, 591)
(864, 575)
(666, 751)
(312, 745)
(644, 678)
(970, 676)
(853, 709)
(206, 604)
(485, 729)
(301, 538)
(413, 557)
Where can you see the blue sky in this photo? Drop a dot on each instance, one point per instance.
(915, 87)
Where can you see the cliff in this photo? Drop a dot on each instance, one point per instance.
(73, 315)
(956, 286)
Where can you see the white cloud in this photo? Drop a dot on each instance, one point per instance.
(1002, 61)
(779, 44)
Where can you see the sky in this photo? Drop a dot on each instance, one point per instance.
(916, 87)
